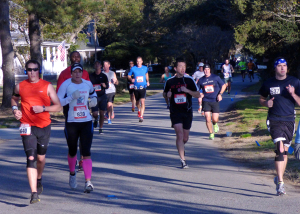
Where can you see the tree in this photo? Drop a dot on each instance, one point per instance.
(7, 54)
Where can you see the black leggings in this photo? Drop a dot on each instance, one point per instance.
(84, 130)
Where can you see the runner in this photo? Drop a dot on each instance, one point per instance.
(75, 92)
(64, 75)
(283, 92)
(251, 67)
(243, 68)
(111, 91)
(130, 86)
(100, 83)
(167, 75)
(141, 81)
(36, 95)
(213, 88)
(197, 75)
(227, 70)
(180, 89)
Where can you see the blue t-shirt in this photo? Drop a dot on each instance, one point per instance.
(139, 74)
(211, 87)
(283, 104)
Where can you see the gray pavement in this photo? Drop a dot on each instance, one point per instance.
(139, 165)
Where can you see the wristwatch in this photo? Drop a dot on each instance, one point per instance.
(14, 108)
(44, 108)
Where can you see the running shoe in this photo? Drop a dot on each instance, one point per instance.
(202, 113)
(109, 122)
(139, 114)
(113, 115)
(280, 189)
(95, 123)
(72, 181)
(132, 109)
(141, 119)
(100, 131)
(88, 187)
(216, 128)
(39, 187)
(211, 136)
(184, 164)
(34, 198)
(199, 110)
(80, 168)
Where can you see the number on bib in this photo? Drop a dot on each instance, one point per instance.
(226, 75)
(180, 98)
(97, 87)
(25, 129)
(209, 88)
(80, 112)
(131, 86)
(140, 79)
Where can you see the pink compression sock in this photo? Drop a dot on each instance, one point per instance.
(72, 163)
(87, 168)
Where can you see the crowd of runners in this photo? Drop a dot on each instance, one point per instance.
(85, 98)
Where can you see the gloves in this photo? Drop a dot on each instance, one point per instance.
(93, 102)
(75, 95)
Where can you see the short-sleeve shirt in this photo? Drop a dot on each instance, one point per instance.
(283, 104)
(242, 65)
(110, 76)
(198, 74)
(180, 101)
(96, 80)
(139, 74)
(250, 66)
(211, 87)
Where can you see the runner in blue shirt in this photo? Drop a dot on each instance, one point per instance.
(140, 80)
(213, 88)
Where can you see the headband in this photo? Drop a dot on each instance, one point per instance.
(279, 61)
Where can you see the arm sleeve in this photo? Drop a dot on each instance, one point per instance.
(62, 92)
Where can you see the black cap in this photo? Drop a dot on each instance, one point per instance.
(75, 66)
(206, 66)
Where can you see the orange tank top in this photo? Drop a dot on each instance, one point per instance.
(34, 94)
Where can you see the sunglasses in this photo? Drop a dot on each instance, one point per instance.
(32, 69)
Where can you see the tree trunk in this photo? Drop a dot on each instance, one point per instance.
(7, 55)
(35, 37)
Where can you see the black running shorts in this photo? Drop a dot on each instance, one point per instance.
(281, 131)
(185, 118)
(213, 107)
(101, 103)
(140, 94)
(38, 140)
(110, 97)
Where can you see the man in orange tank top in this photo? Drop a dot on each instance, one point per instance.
(36, 96)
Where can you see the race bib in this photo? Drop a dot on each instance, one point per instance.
(25, 129)
(110, 85)
(209, 88)
(80, 112)
(226, 75)
(131, 86)
(97, 87)
(140, 79)
(180, 98)
(274, 90)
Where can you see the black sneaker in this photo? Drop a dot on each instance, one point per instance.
(100, 131)
(39, 187)
(95, 124)
(184, 164)
(34, 198)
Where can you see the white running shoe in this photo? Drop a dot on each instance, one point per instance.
(72, 181)
(88, 187)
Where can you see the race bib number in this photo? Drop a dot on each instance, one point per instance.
(80, 112)
(209, 88)
(131, 86)
(140, 79)
(274, 90)
(97, 87)
(25, 129)
(226, 75)
(180, 98)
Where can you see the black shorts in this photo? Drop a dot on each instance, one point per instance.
(185, 118)
(281, 131)
(38, 140)
(243, 71)
(213, 107)
(110, 97)
(84, 130)
(140, 94)
(251, 73)
(101, 103)
(131, 90)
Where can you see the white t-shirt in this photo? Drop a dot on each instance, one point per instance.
(198, 74)
(78, 108)
(227, 71)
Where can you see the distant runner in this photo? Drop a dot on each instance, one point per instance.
(167, 75)
(227, 70)
(130, 85)
(197, 75)
(243, 67)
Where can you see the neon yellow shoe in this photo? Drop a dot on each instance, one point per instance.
(216, 128)
(211, 136)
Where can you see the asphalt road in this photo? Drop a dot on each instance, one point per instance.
(136, 169)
